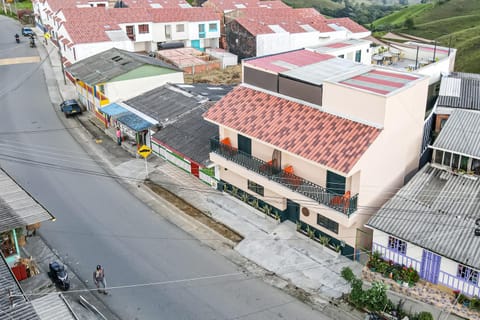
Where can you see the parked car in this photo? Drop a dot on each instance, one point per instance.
(26, 31)
(70, 107)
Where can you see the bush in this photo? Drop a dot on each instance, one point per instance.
(347, 274)
(424, 315)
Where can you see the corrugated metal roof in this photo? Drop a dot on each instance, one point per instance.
(380, 81)
(190, 135)
(460, 90)
(461, 133)
(164, 104)
(18, 307)
(17, 207)
(436, 210)
(134, 122)
(113, 109)
(52, 307)
(317, 73)
(112, 63)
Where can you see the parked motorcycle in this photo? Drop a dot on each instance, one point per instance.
(59, 275)
(32, 42)
(17, 38)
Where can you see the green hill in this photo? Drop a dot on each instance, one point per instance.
(447, 21)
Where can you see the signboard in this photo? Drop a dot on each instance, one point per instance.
(144, 151)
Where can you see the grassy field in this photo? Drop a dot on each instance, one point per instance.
(455, 22)
(399, 17)
(314, 3)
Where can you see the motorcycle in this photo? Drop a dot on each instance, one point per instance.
(17, 38)
(59, 275)
(32, 42)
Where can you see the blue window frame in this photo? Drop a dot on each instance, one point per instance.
(467, 274)
(212, 27)
(397, 245)
(201, 30)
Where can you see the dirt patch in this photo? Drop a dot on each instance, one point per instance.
(193, 212)
(230, 75)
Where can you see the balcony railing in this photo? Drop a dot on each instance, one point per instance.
(345, 205)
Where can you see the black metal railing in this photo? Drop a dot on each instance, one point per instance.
(293, 182)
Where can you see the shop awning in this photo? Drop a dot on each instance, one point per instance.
(113, 109)
(17, 207)
(134, 122)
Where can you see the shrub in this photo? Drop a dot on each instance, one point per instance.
(347, 274)
(376, 297)
(424, 315)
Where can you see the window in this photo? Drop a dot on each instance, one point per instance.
(212, 27)
(255, 188)
(397, 245)
(476, 166)
(442, 122)
(180, 28)
(446, 159)
(455, 160)
(327, 223)
(130, 32)
(438, 156)
(358, 55)
(467, 274)
(464, 163)
(143, 28)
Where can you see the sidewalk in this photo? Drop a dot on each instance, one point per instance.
(284, 257)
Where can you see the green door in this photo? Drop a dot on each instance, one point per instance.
(293, 211)
(335, 183)
(244, 144)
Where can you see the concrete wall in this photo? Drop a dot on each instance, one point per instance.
(355, 103)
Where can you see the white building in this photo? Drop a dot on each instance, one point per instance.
(84, 31)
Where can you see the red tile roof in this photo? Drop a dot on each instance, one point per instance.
(257, 21)
(337, 45)
(378, 81)
(196, 14)
(149, 3)
(348, 24)
(87, 25)
(228, 5)
(285, 61)
(312, 134)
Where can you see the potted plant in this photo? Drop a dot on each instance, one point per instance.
(299, 225)
(324, 240)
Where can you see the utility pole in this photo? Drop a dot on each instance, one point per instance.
(61, 59)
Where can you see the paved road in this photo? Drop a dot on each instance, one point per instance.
(160, 271)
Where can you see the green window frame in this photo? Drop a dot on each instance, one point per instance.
(358, 55)
(327, 223)
(255, 187)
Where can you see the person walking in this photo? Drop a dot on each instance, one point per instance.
(99, 279)
(119, 136)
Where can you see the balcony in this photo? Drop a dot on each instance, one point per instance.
(344, 204)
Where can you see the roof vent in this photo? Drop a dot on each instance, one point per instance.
(117, 58)
(477, 232)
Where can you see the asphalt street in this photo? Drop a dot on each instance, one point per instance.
(156, 270)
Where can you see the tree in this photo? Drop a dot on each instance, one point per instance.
(409, 23)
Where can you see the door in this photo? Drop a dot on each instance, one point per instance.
(244, 144)
(194, 169)
(335, 183)
(430, 266)
(168, 32)
(293, 211)
(196, 44)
